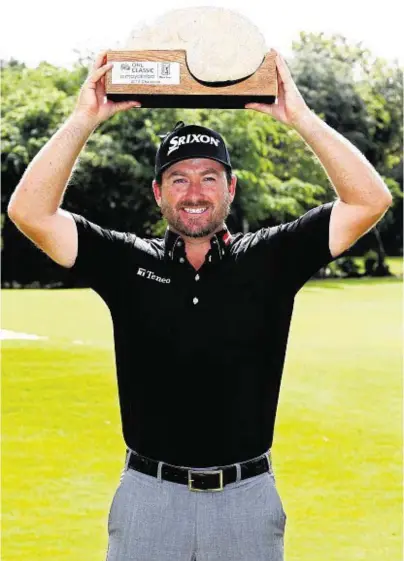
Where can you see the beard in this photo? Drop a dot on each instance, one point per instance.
(198, 226)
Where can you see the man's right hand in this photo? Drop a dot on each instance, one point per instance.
(92, 103)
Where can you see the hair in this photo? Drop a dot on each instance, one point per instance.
(229, 174)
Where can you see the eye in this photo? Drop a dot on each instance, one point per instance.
(179, 179)
(211, 178)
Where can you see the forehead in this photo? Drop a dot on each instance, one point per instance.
(195, 164)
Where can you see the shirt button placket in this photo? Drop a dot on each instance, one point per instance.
(196, 300)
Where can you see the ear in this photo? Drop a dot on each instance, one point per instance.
(157, 191)
(232, 187)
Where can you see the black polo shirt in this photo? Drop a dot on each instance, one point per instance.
(199, 354)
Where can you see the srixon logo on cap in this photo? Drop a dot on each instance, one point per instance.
(177, 141)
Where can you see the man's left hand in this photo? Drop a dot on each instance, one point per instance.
(290, 106)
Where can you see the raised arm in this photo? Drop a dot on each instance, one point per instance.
(35, 204)
(363, 197)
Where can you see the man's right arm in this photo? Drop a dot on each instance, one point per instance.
(35, 204)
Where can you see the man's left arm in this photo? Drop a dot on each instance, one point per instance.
(363, 197)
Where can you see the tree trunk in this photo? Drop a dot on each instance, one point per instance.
(382, 269)
(381, 254)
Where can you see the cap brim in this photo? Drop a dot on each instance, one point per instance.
(204, 156)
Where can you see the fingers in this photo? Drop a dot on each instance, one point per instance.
(97, 74)
(261, 107)
(125, 105)
(284, 75)
(99, 60)
(281, 67)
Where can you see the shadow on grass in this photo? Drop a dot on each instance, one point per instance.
(340, 284)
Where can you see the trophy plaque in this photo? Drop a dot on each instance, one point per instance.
(161, 78)
(194, 58)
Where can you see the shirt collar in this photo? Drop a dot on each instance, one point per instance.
(174, 246)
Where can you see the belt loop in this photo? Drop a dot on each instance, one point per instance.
(269, 460)
(128, 453)
(238, 469)
(159, 467)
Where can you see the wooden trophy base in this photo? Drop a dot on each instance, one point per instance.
(162, 79)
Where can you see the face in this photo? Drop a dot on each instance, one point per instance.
(194, 196)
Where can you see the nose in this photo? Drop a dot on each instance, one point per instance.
(194, 187)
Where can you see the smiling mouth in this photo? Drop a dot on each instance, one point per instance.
(195, 210)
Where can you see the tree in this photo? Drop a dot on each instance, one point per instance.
(361, 97)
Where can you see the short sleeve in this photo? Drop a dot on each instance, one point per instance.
(304, 245)
(100, 254)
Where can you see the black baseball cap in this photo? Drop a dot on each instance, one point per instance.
(190, 141)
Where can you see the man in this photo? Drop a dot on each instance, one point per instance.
(201, 320)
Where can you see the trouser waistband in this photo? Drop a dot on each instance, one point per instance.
(200, 479)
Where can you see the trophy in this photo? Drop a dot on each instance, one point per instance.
(194, 58)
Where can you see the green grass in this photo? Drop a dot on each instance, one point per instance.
(338, 441)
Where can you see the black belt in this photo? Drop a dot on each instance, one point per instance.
(209, 480)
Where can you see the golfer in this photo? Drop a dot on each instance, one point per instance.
(201, 320)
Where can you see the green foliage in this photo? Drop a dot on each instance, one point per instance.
(343, 267)
(357, 94)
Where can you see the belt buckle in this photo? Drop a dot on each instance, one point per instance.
(190, 480)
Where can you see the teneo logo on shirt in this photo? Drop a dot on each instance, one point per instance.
(176, 141)
(150, 275)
